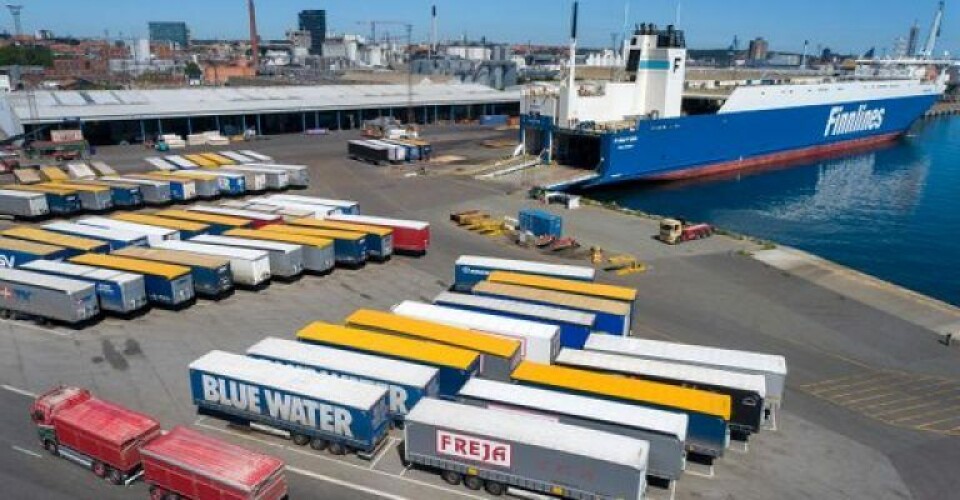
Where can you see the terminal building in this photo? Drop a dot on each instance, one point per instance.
(128, 116)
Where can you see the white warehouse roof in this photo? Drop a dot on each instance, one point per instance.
(94, 105)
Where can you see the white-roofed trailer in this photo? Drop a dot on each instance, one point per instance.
(47, 297)
(286, 260)
(470, 269)
(250, 268)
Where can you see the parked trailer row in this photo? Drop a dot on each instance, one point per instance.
(410, 237)
(211, 275)
(250, 268)
(47, 297)
(594, 290)
(120, 445)
(350, 248)
(257, 219)
(187, 229)
(228, 183)
(305, 209)
(327, 412)
(471, 269)
(274, 179)
(286, 260)
(23, 205)
(298, 176)
(153, 234)
(154, 192)
(406, 383)
(115, 238)
(378, 240)
(74, 244)
(92, 198)
(344, 206)
(124, 195)
(118, 292)
(181, 189)
(207, 186)
(167, 285)
(318, 253)
(60, 201)
(14, 253)
(218, 223)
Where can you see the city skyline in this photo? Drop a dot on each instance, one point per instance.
(849, 26)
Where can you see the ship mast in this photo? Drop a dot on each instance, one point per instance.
(572, 64)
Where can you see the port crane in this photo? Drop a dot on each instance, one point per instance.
(934, 35)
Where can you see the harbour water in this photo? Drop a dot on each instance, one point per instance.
(893, 213)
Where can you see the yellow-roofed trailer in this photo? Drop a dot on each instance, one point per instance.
(76, 244)
(318, 257)
(379, 239)
(167, 285)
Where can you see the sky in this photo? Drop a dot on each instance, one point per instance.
(843, 25)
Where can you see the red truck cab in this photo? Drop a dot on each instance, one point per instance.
(184, 463)
(73, 424)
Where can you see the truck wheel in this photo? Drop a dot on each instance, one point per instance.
(115, 476)
(336, 449)
(300, 439)
(98, 468)
(494, 488)
(451, 477)
(472, 482)
(318, 444)
(156, 493)
(51, 448)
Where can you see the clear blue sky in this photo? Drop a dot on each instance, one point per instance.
(844, 25)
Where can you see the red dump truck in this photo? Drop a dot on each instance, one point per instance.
(105, 437)
(186, 464)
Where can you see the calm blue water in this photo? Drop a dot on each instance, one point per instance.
(893, 213)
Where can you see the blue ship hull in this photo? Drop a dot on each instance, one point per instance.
(692, 146)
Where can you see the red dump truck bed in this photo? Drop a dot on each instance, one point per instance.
(199, 467)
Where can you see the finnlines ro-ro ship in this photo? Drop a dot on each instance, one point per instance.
(637, 128)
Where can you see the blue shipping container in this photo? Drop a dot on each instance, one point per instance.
(541, 223)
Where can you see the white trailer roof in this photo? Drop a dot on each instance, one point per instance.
(81, 270)
(278, 166)
(531, 430)
(208, 172)
(516, 307)
(364, 365)
(235, 156)
(659, 421)
(80, 170)
(379, 221)
(276, 246)
(255, 155)
(235, 212)
(160, 163)
(44, 280)
(688, 353)
(127, 226)
(180, 161)
(526, 266)
(222, 251)
(131, 180)
(314, 210)
(21, 194)
(682, 372)
(312, 200)
(476, 321)
(291, 379)
(93, 231)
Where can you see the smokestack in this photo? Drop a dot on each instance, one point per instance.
(254, 38)
(573, 25)
(433, 29)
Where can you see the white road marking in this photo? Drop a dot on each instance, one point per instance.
(345, 484)
(707, 475)
(392, 442)
(15, 390)
(27, 452)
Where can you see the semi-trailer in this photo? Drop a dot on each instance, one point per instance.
(288, 214)
(218, 223)
(255, 155)
(772, 367)
(229, 183)
(237, 157)
(180, 162)
(595, 290)
(211, 275)
(186, 229)
(747, 392)
(118, 292)
(612, 317)
(498, 355)
(80, 170)
(257, 219)
(46, 297)
(379, 240)
(207, 187)
(539, 342)
(167, 285)
(188, 464)
(153, 234)
(455, 365)
(250, 268)
(471, 269)
(23, 205)
(159, 164)
(154, 192)
(345, 206)
(575, 326)
(411, 237)
(254, 182)
(14, 252)
(349, 248)
(97, 434)
(125, 195)
(665, 431)
(497, 450)
(286, 260)
(340, 415)
(181, 189)
(60, 200)
(298, 175)
(75, 244)
(377, 154)
(274, 179)
(310, 210)
(708, 433)
(406, 383)
(116, 238)
(318, 255)
(92, 198)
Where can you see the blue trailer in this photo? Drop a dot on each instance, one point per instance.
(211, 275)
(124, 195)
(181, 189)
(116, 238)
(406, 383)
(62, 201)
(541, 223)
(471, 269)
(119, 292)
(326, 412)
(575, 326)
(14, 252)
(167, 285)
(349, 247)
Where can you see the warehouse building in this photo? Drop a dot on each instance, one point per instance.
(117, 116)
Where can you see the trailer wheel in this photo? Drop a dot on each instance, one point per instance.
(300, 439)
(472, 482)
(451, 477)
(51, 448)
(318, 444)
(494, 488)
(98, 468)
(336, 449)
(156, 493)
(114, 476)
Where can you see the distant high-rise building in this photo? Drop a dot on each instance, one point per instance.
(913, 40)
(315, 22)
(758, 49)
(170, 32)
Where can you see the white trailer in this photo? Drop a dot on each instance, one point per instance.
(181, 162)
(250, 268)
(22, 204)
(154, 234)
(260, 218)
(299, 174)
(47, 297)
(274, 179)
(317, 211)
(237, 157)
(255, 155)
(539, 342)
(80, 170)
(160, 163)
(286, 260)
(345, 206)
